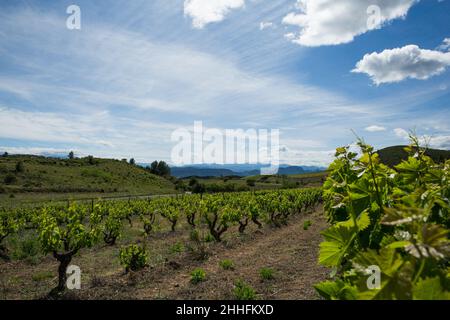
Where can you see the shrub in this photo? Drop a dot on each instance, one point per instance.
(251, 182)
(243, 291)
(198, 275)
(209, 238)
(266, 273)
(20, 167)
(10, 179)
(133, 257)
(307, 224)
(226, 264)
(177, 248)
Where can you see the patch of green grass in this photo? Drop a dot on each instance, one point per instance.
(198, 275)
(242, 291)
(307, 224)
(266, 273)
(177, 248)
(50, 178)
(226, 264)
(25, 247)
(209, 238)
(42, 276)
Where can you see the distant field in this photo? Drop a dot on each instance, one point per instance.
(265, 182)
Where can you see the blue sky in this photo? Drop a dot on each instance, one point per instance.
(138, 70)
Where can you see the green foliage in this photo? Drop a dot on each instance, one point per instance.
(227, 264)
(197, 276)
(160, 168)
(20, 167)
(10, 179)
(266, 274)
(307, 224)
(133, 257)
(393, 218)
(177, 248)
(242, 291)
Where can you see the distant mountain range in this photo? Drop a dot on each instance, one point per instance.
(245, 170)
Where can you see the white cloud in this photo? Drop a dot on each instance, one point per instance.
(395, 65)
(438, 141)
(445, 46)
(375, 128)
(401, 133)
(204, 12)
(333, 22)
(265, 25)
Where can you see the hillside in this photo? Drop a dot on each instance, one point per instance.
(392, 156)
(44, 175)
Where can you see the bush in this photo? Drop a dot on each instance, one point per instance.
(133, 257)
(177, 248)
(251, 182)
(243, 291)
(198, 275)
(226, 264)
(307, 224)
(10, 179)
(20, 167)
(209, 238)
(266, 273)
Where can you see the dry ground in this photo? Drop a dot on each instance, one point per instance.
(290, 251)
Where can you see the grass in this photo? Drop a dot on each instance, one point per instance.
(177, 248)
(266, 273)
(198, 275)
(242, 291)
(307, 224)
(44, 178)
(226, 264)
(42, 276)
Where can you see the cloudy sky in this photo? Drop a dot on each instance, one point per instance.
(138, 70)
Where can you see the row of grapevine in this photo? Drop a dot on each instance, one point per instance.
(394, 221)
(64, 230)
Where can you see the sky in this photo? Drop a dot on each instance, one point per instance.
(136, 71)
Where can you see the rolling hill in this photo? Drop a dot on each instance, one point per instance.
(392, 156)
(37, 174)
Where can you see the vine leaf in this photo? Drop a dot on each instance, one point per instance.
(333, 250)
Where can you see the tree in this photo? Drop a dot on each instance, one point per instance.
(71, 155)
(251, 182)
(20, 167)
(154, 167)
(5, 154)
(90, 160)
(160, 168)
(132, 161)
(192, 182)
(64, 232)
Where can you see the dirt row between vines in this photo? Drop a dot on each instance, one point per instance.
(290, 251)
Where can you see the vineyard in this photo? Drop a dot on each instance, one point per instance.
(63, 232)
(382, 234)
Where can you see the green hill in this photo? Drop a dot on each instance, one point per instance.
(41, 177)
(392, 156)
